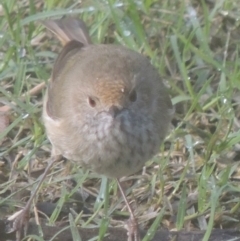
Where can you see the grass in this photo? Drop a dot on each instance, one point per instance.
(193, 182)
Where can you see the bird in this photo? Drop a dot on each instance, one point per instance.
(106, 107)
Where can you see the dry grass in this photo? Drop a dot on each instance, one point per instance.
(194, 179)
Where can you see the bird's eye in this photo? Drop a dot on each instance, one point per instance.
(133, 96)
(92, 102)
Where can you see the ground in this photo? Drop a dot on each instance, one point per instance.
(193, 184)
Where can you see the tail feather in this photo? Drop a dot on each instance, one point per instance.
(69, 29)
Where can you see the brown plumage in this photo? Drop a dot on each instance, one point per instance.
(106, 108)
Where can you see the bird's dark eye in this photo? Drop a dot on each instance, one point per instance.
(133, 96)
(92, 102)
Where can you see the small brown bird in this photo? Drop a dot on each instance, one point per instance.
(106, 106)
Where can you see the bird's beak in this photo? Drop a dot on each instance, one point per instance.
(114, 110)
